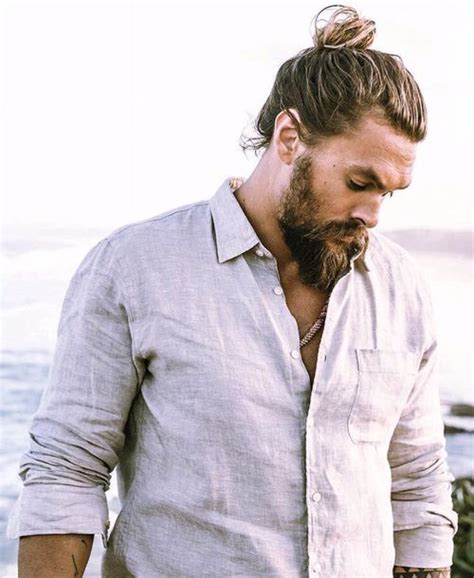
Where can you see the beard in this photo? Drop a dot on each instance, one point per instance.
(323, 257)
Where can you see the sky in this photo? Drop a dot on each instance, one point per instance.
(113, 112)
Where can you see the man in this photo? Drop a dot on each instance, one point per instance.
(250, 440)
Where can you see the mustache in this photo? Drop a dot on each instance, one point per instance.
(333, 229)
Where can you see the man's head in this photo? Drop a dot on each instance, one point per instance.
(333, 84)
(339, 131)
(335, 191)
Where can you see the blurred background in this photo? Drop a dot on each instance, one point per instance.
(113, 112)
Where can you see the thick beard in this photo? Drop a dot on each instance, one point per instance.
(322, 256)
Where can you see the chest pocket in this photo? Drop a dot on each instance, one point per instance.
(385, 379)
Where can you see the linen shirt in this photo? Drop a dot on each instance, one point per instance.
(178, 360)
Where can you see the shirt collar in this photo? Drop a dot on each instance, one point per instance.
(235, 235)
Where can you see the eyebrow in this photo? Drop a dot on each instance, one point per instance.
(369, 173)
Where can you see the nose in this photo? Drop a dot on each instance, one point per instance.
(368, 211)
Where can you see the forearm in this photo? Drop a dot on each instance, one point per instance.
(409, 572)
(54, 555)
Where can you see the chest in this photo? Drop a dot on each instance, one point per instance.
(306, 305)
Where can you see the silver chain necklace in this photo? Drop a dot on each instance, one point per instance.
(315, 327)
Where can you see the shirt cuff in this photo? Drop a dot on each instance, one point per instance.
(59, 509)
(424, 547)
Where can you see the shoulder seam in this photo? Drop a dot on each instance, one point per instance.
(160, 217)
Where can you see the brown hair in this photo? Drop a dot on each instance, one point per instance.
(334, 83)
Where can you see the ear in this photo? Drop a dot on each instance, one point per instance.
(285, 137)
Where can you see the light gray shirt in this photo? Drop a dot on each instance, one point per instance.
(178, 360)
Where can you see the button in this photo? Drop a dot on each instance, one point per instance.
(295, 354)
(316, 568)
(278, 291)
(316, 497)
(259, 253)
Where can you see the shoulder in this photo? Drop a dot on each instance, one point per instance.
(139, 244)
(386, 251)
(147, 230)
(390, 257)
(398, 269)
(176, 229)
(396, 265)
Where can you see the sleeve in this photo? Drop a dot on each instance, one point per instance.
(424, 519)
(77, 433)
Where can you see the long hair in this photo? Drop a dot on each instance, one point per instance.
(337, 81)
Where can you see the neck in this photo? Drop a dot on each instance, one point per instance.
(258, 197)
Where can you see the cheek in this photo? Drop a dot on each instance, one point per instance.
(329, 206)
(330, 191)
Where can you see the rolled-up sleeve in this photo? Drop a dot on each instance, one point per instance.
(78, 430)
(424, 520)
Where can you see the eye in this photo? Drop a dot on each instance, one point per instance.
(390, 193)
(355, 186)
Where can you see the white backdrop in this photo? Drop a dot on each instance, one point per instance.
(116, 111)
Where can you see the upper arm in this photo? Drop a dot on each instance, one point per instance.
(78, 430)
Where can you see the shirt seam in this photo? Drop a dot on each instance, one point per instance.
(128, 305)
(127, 520)
(71, 489)
(419, 526)
(160, 217)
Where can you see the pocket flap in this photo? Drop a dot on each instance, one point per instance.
(386, 361)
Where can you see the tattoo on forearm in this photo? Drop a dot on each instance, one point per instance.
(76, 569)
(408, 572)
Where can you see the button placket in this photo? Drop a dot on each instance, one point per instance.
(313, 497)
(294, 353)
(312, 480)
(267, 275)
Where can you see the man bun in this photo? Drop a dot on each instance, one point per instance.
(343, 28)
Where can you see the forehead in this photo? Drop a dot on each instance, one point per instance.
(377, 147)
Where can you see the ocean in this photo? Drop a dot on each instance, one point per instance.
(36, 271)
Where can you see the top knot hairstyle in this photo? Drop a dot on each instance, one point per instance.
(334, 83)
